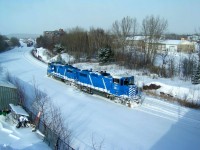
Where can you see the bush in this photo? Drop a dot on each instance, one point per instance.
(14, 41)
(3, 43)
(154, 69)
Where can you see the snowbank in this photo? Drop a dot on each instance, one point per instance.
(64, 56)
(177, 88)
(22, 138)
(191, 93)
(43, 54)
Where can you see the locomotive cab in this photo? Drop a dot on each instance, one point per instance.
(124, 86)
(50, 68)
(53, 67)
(128, 81)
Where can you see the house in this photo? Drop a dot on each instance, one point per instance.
(138, 42)
(169, 45)
(8, 94)
(179, 46)
(186, 46)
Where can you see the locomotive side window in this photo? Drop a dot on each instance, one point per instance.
(95, 75)
(115, 80)
(70, 71)
(126, 82)
(129, 81)
(83, 75)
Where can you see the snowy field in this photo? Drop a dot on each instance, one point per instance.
(155, 125)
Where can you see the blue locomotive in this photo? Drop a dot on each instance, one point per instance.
(120, 89)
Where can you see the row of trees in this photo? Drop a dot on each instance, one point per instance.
(78, 42)
(112, 45)
(6, 43)
(81, 43)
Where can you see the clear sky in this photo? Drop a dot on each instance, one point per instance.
(36, 16)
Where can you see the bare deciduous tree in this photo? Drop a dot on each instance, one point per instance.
(163, 56)
(97, 145)
(152, 28)
(122, 29)
(57, 124)
(172, 67)
(198, 34)
(98, 38)
(51, 117)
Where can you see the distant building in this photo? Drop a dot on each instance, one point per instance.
(182, 45)
(194, 38)
(8, 94)
(179, 46)
(53, 34)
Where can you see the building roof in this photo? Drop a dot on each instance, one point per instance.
(171, 42)
(135, 38)
(18, 110)
(7, 84)
(176, 42)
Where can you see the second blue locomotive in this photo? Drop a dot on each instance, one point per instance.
(102, 83)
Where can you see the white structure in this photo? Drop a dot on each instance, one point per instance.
(163, 45)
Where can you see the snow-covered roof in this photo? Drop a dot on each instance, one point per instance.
(167, 42)
(6, 84)
(18, 110)
(120, 76)
(136, 38)
(176, 42)
(171, 42)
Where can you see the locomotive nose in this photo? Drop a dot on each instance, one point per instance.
(132, 91)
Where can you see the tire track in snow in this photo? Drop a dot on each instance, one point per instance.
(171, 112)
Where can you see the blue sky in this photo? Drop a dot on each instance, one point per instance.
(36, 16)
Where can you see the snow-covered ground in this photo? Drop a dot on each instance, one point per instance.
(175, 87)
(12, 138)
(155, 124)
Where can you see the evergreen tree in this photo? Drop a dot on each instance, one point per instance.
(196, 75)
(14, 41)
(105, 54)
(3, 44)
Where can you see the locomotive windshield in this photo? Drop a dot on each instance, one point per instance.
(129, 81)
(49, 66)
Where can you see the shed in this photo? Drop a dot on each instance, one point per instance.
(16, 112)
(8, 94)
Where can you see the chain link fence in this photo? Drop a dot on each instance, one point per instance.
(50, 137)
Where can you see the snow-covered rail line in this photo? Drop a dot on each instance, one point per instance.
(172, 112)
(32, 60)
